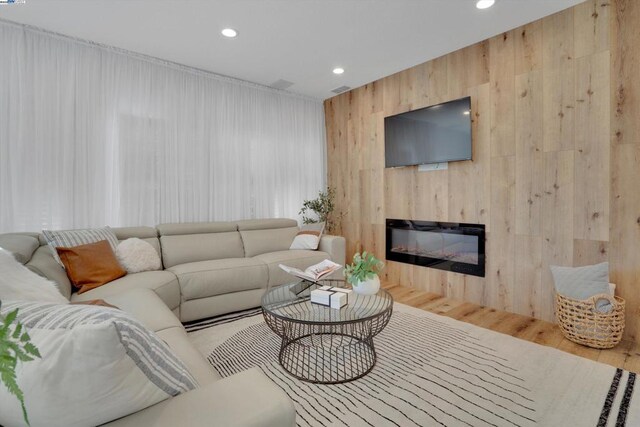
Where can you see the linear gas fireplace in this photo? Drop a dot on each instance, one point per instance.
(444, 245)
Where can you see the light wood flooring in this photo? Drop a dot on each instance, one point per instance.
(626, 355)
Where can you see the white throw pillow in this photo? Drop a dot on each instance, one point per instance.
(71, 238)
(308, 237)
(97, 364)
(18, 283)
(136, 255)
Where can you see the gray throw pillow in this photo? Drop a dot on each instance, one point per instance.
(582, 283)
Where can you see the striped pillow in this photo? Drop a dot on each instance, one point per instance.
(97, 360)
(308, 237)
(71, 238)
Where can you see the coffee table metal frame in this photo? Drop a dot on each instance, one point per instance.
(324, 345)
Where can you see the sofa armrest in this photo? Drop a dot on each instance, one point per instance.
(247, 399)
(335, 246)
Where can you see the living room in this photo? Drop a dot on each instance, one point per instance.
(280, 212)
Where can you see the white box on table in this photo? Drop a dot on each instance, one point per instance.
(330, 296)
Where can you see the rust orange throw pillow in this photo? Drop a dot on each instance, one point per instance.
(90, 266)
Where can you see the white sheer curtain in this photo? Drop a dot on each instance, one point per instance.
(91, 136)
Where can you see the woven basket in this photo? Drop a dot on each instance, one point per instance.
(581, 323)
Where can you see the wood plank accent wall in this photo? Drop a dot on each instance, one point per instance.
(555, 174)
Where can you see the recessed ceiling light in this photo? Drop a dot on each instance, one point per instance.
(338, 70)
(484, 4)
(229, 32)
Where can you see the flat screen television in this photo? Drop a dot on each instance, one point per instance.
(435, 134)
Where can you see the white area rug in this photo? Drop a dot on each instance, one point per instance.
(436, 371)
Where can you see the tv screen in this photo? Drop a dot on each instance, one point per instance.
(440, 133)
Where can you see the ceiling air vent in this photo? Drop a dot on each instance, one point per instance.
(281, 84)
(341, 89)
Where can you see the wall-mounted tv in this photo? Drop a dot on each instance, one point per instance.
(435, 134)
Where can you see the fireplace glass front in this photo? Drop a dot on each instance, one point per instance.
(453, 247)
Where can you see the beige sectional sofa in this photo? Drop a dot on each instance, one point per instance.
(209, 269)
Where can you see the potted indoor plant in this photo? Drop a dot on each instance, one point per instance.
(363, 273)
(321, 209)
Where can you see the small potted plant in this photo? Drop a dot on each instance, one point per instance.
(322, 209)
(363, 273)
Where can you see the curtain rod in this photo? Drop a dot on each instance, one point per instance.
(155, 60)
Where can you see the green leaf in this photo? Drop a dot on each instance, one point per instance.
(14, 346)
(10, 318)
(16, 332)
(32, 349)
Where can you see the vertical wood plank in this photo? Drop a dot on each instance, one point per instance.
(624, 256)
(559, 81)
(435, 84)
(502, 79)
(529, 153)
(589, 252)
(528, 290)
(626, 69)
(501, 262)
(557, 230)
(528, 48)
(398, 192)
(591, 26)
(591, 215)
(429, 193)
(471, 203)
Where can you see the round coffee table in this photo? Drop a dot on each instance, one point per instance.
(321, 344)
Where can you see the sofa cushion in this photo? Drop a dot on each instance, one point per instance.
(266, 224)
(248, 398)
(18, 283)
(163, 283)
(146, 307)
(293, 258)
(22, 246)
(182, 249)
(258, 242)
(71, 238)
(308, 237)
(209, 278)
(124, 233)
(43, 263)
(98, 361)
(196, 228)
(177, 339)
(136, 255)
(204, 308)
(91, 266)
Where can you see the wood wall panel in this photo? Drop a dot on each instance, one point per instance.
(529, 153)
(556, 158)
(591, 30)
(591, 219)
(626, 69)
(468, 203)
(528, 49)
(502, 79)
(624, 250)
(501, 244)
(559, 76)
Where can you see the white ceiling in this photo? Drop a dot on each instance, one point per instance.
(296, 40)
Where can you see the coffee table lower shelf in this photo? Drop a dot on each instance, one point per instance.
(327, 353)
